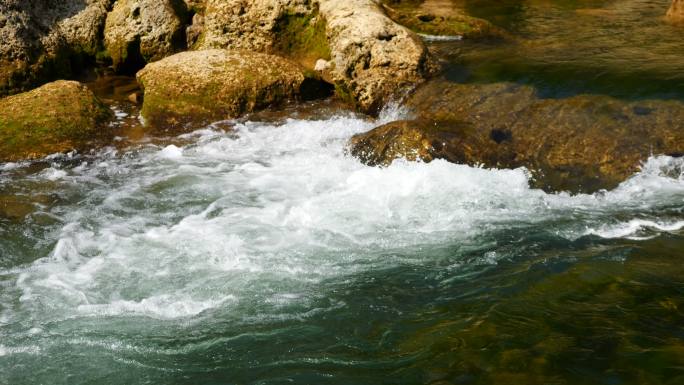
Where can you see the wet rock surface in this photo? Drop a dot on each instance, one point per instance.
(57, 117)
(189, 89)
(579, 144)
(143, 31)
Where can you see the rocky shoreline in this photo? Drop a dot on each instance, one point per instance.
(198, 61)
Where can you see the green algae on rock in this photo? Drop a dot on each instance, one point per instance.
(439, 21)
(294, 29)
(57, 117)
(580, 144)
(190, 89)
(142, 31)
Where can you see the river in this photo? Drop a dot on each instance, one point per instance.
(258, 251)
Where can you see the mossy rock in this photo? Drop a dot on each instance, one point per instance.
(57, 117)
(302, 37)
(190, 89)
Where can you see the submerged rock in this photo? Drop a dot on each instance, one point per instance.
(45, 40)
(439, 19)
(580, 144)
(57, 117)
(676, 11)
(143, 31)
(197, 87)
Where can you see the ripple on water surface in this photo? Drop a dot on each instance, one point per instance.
(268, 255)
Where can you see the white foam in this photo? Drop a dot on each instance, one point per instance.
(166, 306)
(53, 174)
(171, 152)
(429, 38)
(636, 229)
(10, 350)
(269, 210)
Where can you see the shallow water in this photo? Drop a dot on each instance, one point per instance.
(623, 48)
(267, 255)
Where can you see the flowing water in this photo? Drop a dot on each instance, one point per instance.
(259, 252)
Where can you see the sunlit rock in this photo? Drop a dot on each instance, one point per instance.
(197, 87)
(143, 31)
(56, 117)
(42, 40)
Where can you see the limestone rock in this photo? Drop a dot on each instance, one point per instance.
(249, 24)
(56, 117)
(41, 39)
(193, 88)
(374, 58)
(580, 144)
(195, 6)
(143, 31)
(194, 31)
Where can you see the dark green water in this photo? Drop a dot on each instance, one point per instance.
(622, 48)
(267, 256)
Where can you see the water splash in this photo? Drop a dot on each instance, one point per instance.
(259, 217)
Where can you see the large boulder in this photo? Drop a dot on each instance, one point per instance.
(57, 117)
(353, 43)
(676, 11)
(373, 58)
(143, 31)
(193, 88)
(42, 40)
(580, 144)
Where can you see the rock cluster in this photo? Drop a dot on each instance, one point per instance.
(44, 40)
(368, 57)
